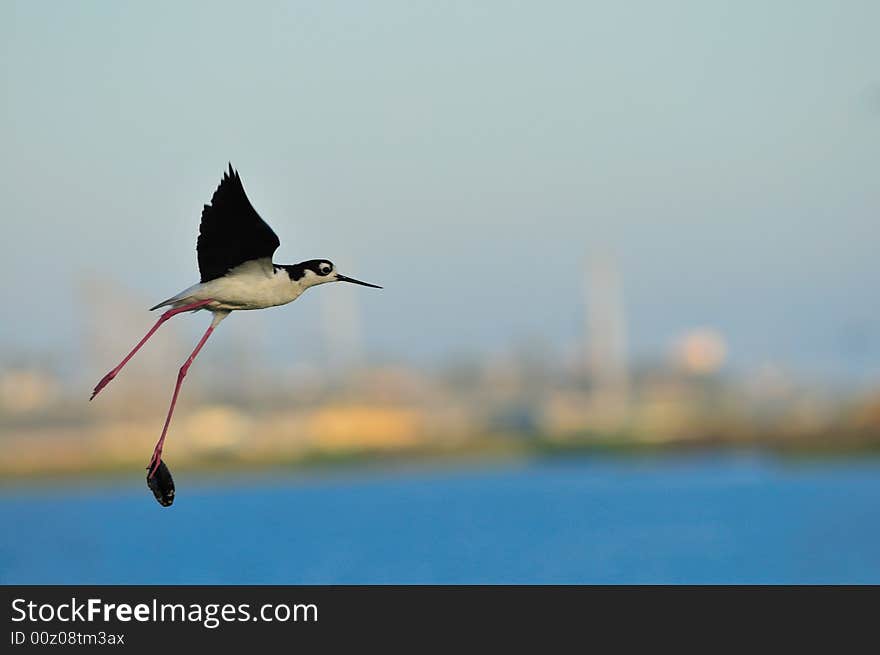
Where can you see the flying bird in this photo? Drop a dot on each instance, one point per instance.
(235, 248)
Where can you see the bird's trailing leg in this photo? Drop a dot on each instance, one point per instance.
(157, 451)
(171, 312)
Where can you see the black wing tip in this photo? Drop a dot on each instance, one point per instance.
(230, 177)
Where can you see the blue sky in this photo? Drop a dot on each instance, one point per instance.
(468, 156)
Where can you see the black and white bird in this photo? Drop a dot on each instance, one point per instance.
(235, 248)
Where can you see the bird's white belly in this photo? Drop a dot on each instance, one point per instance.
(250, 292)
(248, 287)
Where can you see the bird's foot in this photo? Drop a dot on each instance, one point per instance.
(161, 484)
(103, 383)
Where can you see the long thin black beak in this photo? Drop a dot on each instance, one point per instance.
(342, 278)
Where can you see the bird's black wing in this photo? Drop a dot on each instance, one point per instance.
(232, 231)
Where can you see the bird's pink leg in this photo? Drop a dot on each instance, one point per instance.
(157, 451)
(171, 312)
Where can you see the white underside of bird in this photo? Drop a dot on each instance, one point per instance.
(253, 285)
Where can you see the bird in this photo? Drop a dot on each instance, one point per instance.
(235, 249)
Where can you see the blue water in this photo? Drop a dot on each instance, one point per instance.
(718, 519)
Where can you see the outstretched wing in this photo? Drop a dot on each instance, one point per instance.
(232, 232)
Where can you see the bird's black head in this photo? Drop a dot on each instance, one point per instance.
(319, 271)
(320, 267)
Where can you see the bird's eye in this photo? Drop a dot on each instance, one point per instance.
(325, 269)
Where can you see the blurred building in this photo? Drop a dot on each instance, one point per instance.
(605, 328)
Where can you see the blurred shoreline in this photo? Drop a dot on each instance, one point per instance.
(483, 451)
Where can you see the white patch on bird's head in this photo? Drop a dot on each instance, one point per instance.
(316, 271)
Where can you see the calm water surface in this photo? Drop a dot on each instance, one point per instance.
(719, 519)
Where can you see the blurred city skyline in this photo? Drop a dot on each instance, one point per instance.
(473, 158)
(331, 404)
